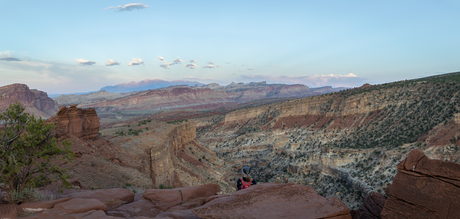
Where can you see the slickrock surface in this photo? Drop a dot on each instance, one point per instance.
(166, 198)
(269, 200)
(34, 101)
(83, 123)
(424, 188)
(273, 200)
(371, 208)
(105, 195)
(75, 209)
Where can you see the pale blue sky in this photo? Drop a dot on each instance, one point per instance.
(338, 43)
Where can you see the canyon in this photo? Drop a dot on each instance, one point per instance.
(362, 147)
(346, 144)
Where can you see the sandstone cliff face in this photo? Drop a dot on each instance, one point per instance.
(83, 123)
(36, 102)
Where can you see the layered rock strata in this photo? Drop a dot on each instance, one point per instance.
(83, 123)
(424, 188)
(34, 101)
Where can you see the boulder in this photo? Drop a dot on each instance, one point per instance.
(371, 208)
(272, 200)
(105, 195)
(424, 188)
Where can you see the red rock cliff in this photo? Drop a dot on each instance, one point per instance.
(36, 102)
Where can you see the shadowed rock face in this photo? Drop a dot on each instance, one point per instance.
(36, 102)
(83, 123)
(371, 208)
(424, 188)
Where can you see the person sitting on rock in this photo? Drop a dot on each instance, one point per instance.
(246, 181)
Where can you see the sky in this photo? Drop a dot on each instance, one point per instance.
(79, 46)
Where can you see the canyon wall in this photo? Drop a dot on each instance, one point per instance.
(170, 155)
(348, 141)
(35, 102)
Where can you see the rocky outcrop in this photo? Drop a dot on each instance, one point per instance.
(424, 188)
(273, 200)
(34, 101)
(269, 200)
(83, 123)
(371, 208)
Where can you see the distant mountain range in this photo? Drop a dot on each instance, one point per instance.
(146, 85)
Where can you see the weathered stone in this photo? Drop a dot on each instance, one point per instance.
(105, 195)
(424, 188)
(142, 207)
(78, 205)
(371, 208)
(271, 200)
(83, 123)
(41, 205)
(183, 214)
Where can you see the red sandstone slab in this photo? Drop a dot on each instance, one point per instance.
(273, 200)
(124, 195)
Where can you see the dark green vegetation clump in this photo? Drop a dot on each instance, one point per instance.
(165, 187)
(177, 121)
(29, 154)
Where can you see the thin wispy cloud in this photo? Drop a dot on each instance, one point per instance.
(211, 63)
(85, 62)
(110, 62)
(250, 69)
(193, 61)
(9, 59)
(191, 66)
(136, 61)
(348, 80)
(177, 61)
(208, 66)
(128, 7)
(166, 65)
(8, 56)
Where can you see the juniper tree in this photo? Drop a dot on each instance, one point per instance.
(29, 152)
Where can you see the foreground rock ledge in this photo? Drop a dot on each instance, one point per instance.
(272, 200)
(424, 188)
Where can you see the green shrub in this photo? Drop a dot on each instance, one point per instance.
(25, 195)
